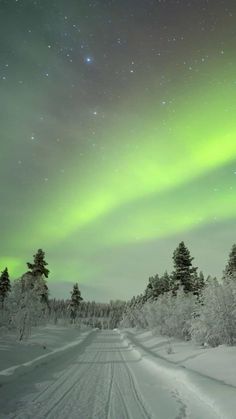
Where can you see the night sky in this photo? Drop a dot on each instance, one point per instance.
(118, 138)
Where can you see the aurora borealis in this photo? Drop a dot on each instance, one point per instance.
(118, 138)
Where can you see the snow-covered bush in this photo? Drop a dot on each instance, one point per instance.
(5, 316)
(134, 317)
(215, 322)
(157, 312)
(26, 306)
(171, 315)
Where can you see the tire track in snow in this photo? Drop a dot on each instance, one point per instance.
(48, 400)
(136, 392)
(60, 381)
(72, 386)
(108, 405)
(98, 385)
(121, 398)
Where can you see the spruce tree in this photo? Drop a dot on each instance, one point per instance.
(38, 270)
(38, 267)
(157, 286)
(230, 269)
(198, 283)
(151, 291)
(184, 273)
(5, 285)
(75, 302)
(165, 283)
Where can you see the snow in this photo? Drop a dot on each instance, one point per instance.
(114, 374)
(207, 374)
(217, 363)
(43, 343)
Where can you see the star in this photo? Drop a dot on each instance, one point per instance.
(88, 60)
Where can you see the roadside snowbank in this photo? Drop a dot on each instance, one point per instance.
(44, 343)
(217, 363)
(204, 376)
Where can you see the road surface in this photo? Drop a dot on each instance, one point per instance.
(103, 378)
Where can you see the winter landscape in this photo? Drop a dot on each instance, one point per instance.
(117, 209)
(167, 353)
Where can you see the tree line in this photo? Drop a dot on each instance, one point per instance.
(186, 305)
(26, 303)
(181, 304)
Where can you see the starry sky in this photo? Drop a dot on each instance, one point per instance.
(118, 138)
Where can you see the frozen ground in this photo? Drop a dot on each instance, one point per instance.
(217, 363)
(115, 375)
(42, 341)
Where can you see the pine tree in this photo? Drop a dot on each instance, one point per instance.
(165, 283)
(184, 273)
(37, 270)
(5, 285)
(75, 302)
(198, 283)
(230, 269)
(38, 267)
(157, 286)
(151, 291)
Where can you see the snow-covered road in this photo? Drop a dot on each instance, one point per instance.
(104, 377)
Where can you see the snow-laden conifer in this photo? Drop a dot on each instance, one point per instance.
(75, 302)
(230, 269)
(5, 286)
(38, 272)
(184, 273)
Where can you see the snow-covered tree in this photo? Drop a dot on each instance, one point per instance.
(5, 286)
(38, 267)
(230, 269)
(27, 308)
(38, 271)
(198, 283)
(75, 302)
(157, 286)
(28, 301)
(165, 282)
(184, 273)
(132, 314)
(171, 314)
(215, 320)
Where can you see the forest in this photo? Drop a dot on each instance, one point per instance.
(183, 304)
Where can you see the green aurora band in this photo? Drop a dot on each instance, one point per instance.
(153, 181)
